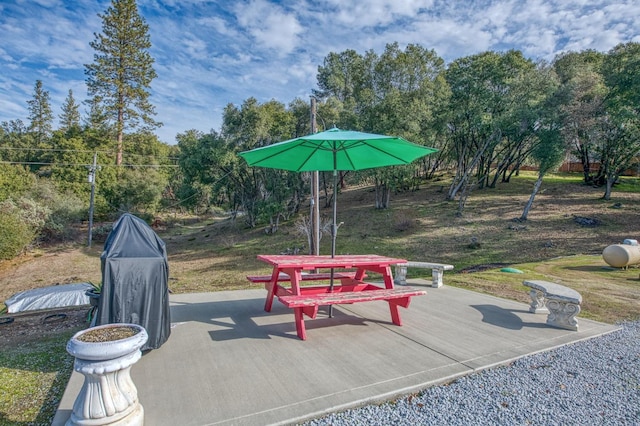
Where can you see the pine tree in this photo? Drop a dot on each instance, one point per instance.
(40, 113)
(122, 70)
(70, 117)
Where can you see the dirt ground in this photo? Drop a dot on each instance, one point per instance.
(26, 327)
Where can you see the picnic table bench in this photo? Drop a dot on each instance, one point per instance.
(309, 302)
(352, 288)
(324, 276)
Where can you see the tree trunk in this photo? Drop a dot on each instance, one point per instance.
(378, 192)
(383, 193)
(119, 153)
(120, 132)
(325, 188)
(536, 188)
(608, 187)
(453, 190)
(387, 197)
(462, 201)
(586, 166)
(464, 179)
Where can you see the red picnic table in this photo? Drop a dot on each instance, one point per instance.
(305, 300)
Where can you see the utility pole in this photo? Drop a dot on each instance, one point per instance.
(92, 180)
(315, 187)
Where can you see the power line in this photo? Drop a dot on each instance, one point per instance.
(38, 163)
(11, 148)
(198, 192)
(82, 151)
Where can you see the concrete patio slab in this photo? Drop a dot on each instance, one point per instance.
(228, 362)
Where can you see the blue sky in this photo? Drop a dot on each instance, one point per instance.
(211, 53)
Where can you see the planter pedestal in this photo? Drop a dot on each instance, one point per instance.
(108, 395)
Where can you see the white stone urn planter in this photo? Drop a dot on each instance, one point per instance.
(104, 355)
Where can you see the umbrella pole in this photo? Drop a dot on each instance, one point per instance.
(334, 229)
(335, 214)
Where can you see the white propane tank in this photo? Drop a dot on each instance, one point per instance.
(621, 255)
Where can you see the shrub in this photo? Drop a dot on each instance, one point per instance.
(101, 232)
(48, 213)
(403, 223)
(15, 236)
(136, 191)
(14, 181)
(31, 213)
(63, 209)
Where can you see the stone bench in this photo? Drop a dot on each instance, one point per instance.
(437, 271)
(560, 302)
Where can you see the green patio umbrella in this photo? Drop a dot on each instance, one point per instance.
(334, 150)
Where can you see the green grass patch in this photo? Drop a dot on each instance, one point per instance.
(33, 377)
(566, 178)
(628, 184)
(609, 294)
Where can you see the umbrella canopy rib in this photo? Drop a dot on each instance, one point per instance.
(273, 154)
(386, 152)
(345, 150)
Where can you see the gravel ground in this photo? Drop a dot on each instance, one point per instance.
(595, 382)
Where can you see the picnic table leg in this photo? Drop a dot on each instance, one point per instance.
(296, 277)
(393, 307)
(302, 332)
(271, 289)
(388, 277)
(395, 313)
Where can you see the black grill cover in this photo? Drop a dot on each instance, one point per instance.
(135, 275)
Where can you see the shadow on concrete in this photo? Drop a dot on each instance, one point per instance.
(245, 319)
(505, 318)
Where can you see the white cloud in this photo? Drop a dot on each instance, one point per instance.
(4, 56)
(217, 24)
(195, 47)
(11, 108)
(360, 14)
(52, 36)
(270, 25)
